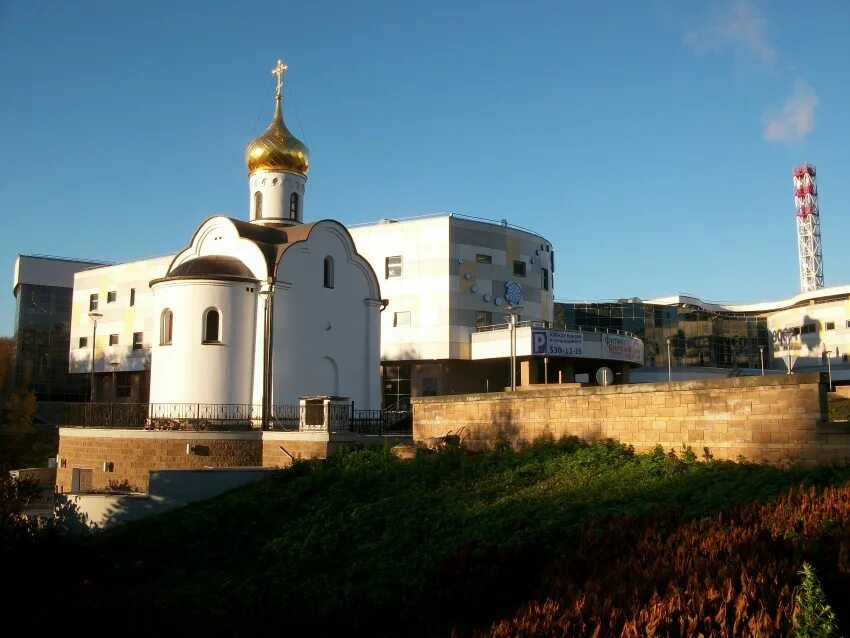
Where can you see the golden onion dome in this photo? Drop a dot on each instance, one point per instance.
(277, 149)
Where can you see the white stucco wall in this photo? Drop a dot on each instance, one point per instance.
(189, 371)
(326, 341)
(276, 188)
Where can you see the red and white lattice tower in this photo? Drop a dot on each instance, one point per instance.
(808, 228)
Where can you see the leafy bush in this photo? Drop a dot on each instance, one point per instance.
(813, 618)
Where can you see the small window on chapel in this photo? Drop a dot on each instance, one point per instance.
(293, 206)
(166, 327)
(258, 205)
(329, 272)
(212, 326)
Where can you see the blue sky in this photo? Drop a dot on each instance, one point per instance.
(651, 142)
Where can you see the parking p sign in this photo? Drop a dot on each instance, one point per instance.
(538, 342)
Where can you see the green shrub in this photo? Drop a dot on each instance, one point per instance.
(813, 618)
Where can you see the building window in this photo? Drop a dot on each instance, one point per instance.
(484, 259)
(93, 302)
(483, 318)
(392, 267)
(401, 318)
(329, 272)
(552, 261)
(258, 205)
(830, 325)
(113, 340)
(519, 268)
(544, 279)
(132, 296)
(166, 324)
(124, 385)
(293, 206)
(84, 342)
(212, 326)
(111, 296)
(429, 386)
(137, 340)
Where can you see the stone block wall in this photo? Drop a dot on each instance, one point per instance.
(773, 418)
(280, 448)
(133, 453)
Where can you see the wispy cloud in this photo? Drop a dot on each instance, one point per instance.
(796, 119)
(737, 26)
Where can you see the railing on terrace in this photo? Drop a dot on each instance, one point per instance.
(546, 325)
(217, 417)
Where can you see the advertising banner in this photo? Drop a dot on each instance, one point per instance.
(622, 348)
(555, 343)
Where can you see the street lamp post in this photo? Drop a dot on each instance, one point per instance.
(114, 365)
(513, 311)
(94, 316)
(761, 356)
(669, 363)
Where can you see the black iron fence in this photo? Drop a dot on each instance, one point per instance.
(217, 417)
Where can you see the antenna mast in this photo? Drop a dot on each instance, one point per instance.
(808, 228)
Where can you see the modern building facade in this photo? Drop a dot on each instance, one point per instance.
(43, 288)
(119, 346)
(446, 277)
(806, 333)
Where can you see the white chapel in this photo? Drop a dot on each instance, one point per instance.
(270, 310)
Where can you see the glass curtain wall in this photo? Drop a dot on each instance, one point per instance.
(697, 337)
(42, 343)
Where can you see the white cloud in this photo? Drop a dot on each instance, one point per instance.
(737, 26)
(796, 119)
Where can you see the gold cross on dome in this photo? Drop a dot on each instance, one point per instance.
(278, 71)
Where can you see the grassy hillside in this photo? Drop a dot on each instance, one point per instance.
(370, 544)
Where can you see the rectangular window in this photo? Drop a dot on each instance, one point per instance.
(544, 279)
(84, 342)
(483, 318)
(113, 340)
(552, 261)
(111, 296)
(830, 325)
(392, 267)
(519, 268)
(124, 385)
(401, 318)
(484, 259)
(132, 296)
(93, 302)
(137, 340)
(429, 386)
